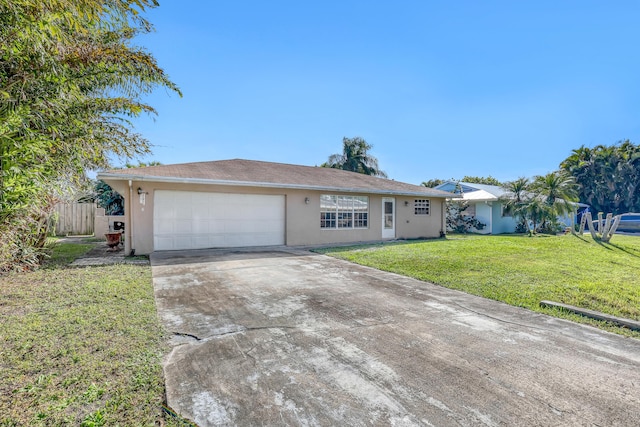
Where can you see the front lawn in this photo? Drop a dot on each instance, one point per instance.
(80, 346)
(522, 271)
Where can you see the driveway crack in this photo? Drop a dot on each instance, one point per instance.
(498, 318)
(234, 332)
(184, 334)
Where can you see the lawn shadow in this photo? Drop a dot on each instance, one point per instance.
(608, 245)
(596, 241)
(622, 249)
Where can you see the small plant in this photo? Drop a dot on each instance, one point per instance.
(94, 420)
(551, 226)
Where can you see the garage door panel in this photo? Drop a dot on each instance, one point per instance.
(201, 241)
(184, 212)
(191, 220)
(183, 226)
(183, 242)
(163, 243)
(200, 226)
(217, 227)
(163, 226)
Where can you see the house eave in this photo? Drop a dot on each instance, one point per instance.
(177, 180)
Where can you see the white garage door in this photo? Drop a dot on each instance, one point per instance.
(195, 220)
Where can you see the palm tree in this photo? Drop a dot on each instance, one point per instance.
(537, 212)
(516, 198)
(355, 158)
(556, 190)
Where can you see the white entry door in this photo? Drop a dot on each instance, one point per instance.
(388, 218)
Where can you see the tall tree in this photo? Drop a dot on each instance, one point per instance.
(539, 203)
(432, 183)
(70, 80)
(487, 180)
(516, 198)
(608, 176)
(558, 189)
(355, 157)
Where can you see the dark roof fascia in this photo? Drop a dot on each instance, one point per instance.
(175, 180)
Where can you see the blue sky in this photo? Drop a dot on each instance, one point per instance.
(441, 89)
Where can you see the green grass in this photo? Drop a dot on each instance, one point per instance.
(80, 346)
(63, 254)
(522, 271)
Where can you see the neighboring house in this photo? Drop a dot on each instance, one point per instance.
(484, 205)
(233, 203)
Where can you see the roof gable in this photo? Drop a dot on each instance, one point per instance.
(495, 190)
(473, 191)
(240, 172)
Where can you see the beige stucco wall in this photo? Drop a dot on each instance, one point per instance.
(104, 223)
(302, 220)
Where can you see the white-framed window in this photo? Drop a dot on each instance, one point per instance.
(471, 210)
(344, 212)
(421, 206)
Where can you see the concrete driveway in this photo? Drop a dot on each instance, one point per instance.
(287, 337)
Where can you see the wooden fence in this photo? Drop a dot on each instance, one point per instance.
(74, 218)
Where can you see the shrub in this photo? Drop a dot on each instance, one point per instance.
(458, 222)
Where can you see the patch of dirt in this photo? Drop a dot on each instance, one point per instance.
(100, 249)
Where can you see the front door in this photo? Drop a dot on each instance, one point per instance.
(388, 218)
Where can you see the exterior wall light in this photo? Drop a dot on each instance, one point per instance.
(142, 195)
(306, 200)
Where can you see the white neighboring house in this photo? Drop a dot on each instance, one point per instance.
(486, 207)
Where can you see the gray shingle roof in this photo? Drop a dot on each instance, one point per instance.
(241, 172)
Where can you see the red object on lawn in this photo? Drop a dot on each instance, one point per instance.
(113, 240)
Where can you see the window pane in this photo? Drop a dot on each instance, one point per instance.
(344, 211)
(327, 202)
(388, 207)
(421, 206)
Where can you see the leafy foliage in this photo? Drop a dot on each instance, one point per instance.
(23, 238)
(355, 157)
(538, 203)
(488, 180)
(109, 199)
(432, 183)
(70, 80)
(608, 176)
(142, 164)
(458, 222)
